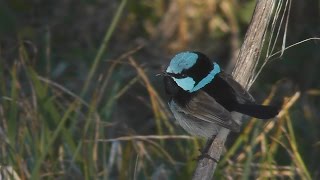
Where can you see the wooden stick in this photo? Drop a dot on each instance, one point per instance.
(243, 72)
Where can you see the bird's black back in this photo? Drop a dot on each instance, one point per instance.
(200, 69)
(222, 92)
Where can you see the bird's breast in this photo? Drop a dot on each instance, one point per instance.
(171, 87)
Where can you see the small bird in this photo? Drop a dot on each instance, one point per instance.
(202, 96)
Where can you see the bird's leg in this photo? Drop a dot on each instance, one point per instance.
(207, 146)
(204, 151)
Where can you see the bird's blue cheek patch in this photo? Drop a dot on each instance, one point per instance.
(208, 78)
(186, 84)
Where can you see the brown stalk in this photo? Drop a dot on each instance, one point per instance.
(243, 72)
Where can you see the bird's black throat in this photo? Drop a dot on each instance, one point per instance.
(177, 93)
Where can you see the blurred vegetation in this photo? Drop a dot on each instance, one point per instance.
(80, 99)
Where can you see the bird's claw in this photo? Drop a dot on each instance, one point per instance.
(205, 155)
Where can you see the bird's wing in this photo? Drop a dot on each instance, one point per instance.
(243, 96)
(203, 107)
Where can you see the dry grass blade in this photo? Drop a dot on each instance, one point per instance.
(136, 168)
(156, 104)
(112, 68)
(162, 151)
(286, 29)
(296, 154)
(273, 25)
(268, 150)
(286, 13)
(64, 89)
(146, 137)
(289, 104)
(7, 172)
(287, 6)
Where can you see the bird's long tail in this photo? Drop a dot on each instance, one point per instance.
(258, 111)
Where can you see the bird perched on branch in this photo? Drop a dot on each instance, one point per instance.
(202, 96)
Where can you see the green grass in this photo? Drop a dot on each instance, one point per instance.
(52, 132)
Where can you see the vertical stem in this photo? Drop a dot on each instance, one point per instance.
(242, 73)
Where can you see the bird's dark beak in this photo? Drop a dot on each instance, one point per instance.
(163, 74)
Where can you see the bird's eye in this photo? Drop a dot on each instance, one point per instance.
(178, 76)
(183, 75)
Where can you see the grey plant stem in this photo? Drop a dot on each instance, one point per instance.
(243, 72)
